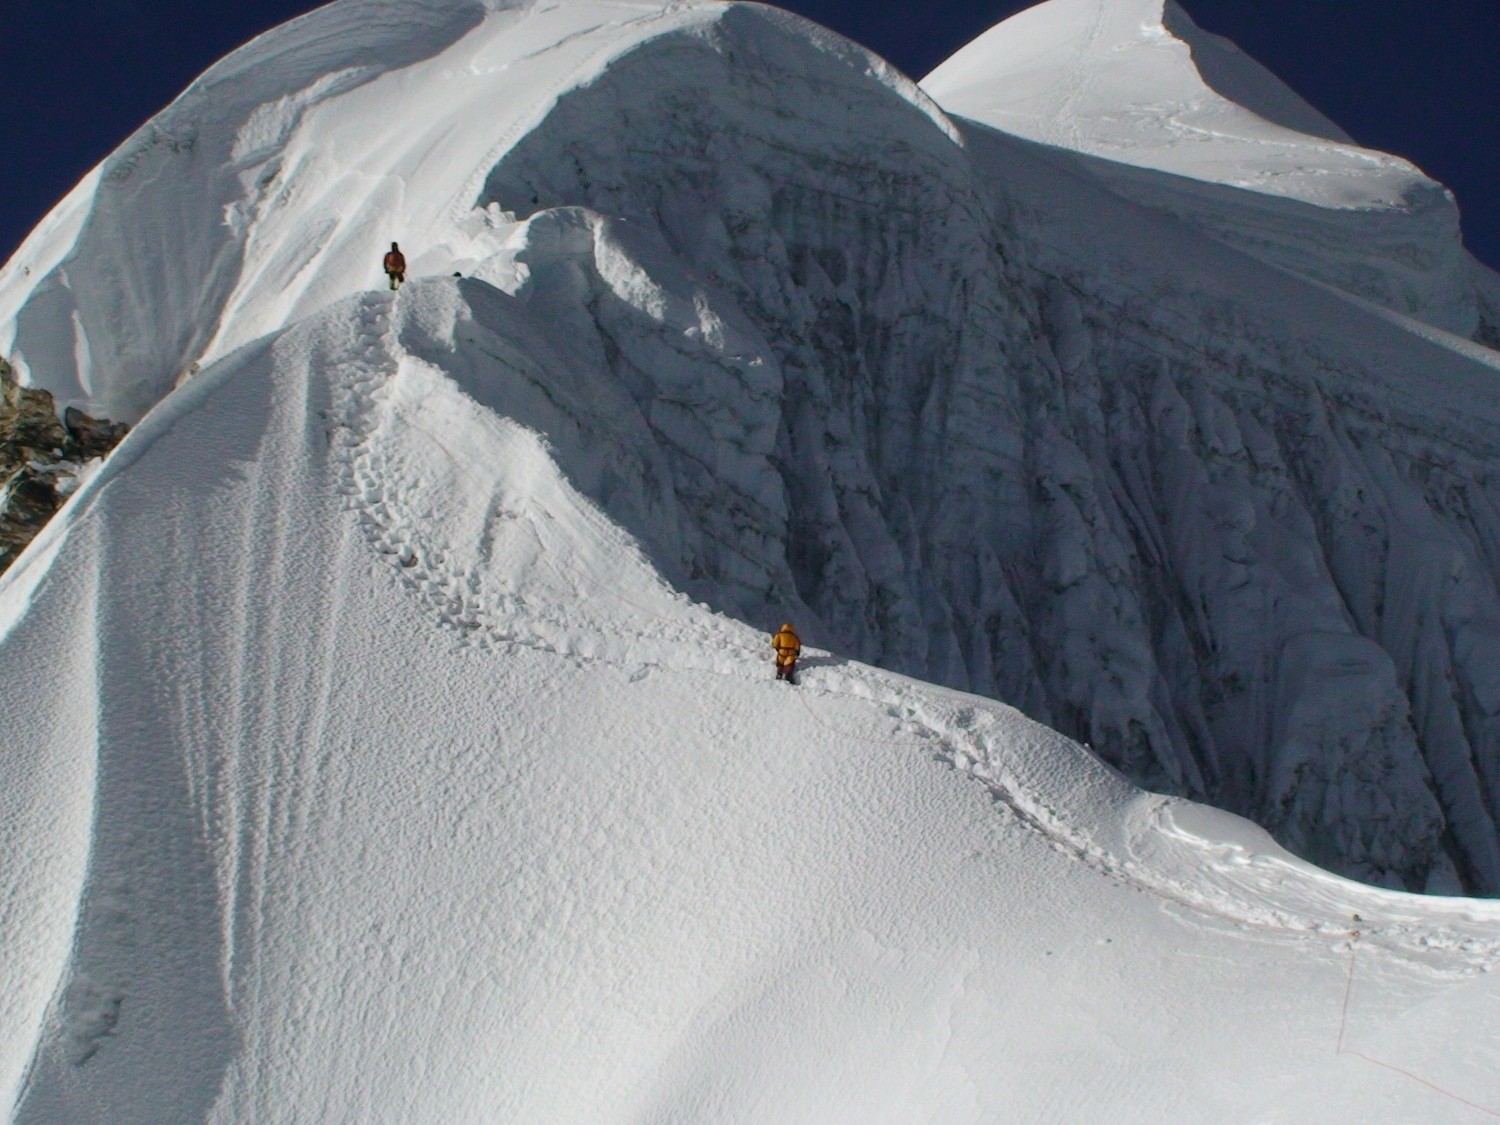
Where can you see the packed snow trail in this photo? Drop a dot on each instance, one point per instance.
(387, 432)
(392, 398)
(398, 466)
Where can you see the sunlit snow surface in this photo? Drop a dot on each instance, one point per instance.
(388, 726)
(1182, 120)
(360, 769)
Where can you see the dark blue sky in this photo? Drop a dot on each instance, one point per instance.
(1416, 77)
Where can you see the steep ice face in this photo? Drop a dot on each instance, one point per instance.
(814, 270)
(938, 395)
(1182, 120)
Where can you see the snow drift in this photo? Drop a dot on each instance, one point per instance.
(389, 728)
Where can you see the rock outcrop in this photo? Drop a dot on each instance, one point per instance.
(40, 458)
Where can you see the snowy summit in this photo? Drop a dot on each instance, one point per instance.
(1138, 85)
(390, 730)
(1138, 82)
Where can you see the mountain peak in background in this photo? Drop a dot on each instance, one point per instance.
(1183, 120)
(1137, 81)
(390, 729)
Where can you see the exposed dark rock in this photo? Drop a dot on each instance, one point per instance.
(93, 437)
(40, 457)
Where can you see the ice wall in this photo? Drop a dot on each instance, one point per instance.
(1155, 496)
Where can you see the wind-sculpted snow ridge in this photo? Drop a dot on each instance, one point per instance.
(257, 196)
(522, 568)
(1170, 501)
(1182, 121)
(396, 748)
(940, 397)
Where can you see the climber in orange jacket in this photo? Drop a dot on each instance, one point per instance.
(395, 266)
(788, 648)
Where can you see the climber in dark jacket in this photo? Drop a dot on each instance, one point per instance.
(395, 266)
(788, 648)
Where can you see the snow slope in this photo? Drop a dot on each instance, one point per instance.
(407, 791)
(958, 407)
(1182, 120)
(389, 727)
(948, 400)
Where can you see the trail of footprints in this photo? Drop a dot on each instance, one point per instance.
(482, 618)
(361, 393)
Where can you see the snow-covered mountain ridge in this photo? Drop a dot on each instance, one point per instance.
(1182, 121)
(967, 414)
(370, 772)
(396, 691)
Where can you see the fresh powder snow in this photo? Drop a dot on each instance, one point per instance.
(390, 730)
